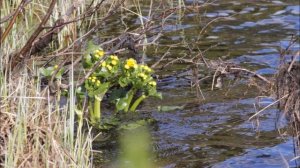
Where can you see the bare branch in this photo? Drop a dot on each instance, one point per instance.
(25, 50)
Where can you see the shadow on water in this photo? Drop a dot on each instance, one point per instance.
(216, 132)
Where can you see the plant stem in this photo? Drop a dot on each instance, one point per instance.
(79, 112)
(97, 110)
(130, 97)
(136, 103)
(80, 120)
(91, 110)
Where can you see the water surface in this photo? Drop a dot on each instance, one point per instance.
(216, 132)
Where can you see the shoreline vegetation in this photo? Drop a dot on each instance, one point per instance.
(45, 57)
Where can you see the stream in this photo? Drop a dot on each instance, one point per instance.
(216, 131)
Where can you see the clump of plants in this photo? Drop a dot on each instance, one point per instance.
(125, 83)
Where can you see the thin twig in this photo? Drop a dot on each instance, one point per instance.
(293, 61)
(161, 59)
(283, 97)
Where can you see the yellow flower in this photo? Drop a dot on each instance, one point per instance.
(97, 82)
(148, 69)
(109, 67)
(152, 83)
(113, 57)
(100, 53)
(94, 77)
(90, 78)
(142, 75)
(55, 66)
(103, 63)
(93, 80)
(114, 62)
(130, 63)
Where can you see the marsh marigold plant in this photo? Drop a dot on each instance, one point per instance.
(124, 82)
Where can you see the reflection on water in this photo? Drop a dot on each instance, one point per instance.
(216, 132)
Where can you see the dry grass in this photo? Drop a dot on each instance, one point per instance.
(288, 86)
(35, 130)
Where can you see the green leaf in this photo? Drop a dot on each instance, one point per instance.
(99, 91)
(91, 47)
(88, 87)
(47, 72)
(121, 103)
(87, 61)
(169, 108)
(102, 89)
(133, 125)
(87, 58)
(124, 102)
(60, 73)
(123, 82)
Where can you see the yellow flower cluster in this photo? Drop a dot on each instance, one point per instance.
(99, 53)
(94, 80)
(110, 63)
(146, 68)
(104, 64)
(114, 59)
(152, 83)
(130, 63)
(142, 75)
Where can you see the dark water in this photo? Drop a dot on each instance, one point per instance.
(216, 132)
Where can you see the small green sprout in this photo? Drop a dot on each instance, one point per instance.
(49, 71)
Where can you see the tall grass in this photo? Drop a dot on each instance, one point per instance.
(36, 130)
(36, 134)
